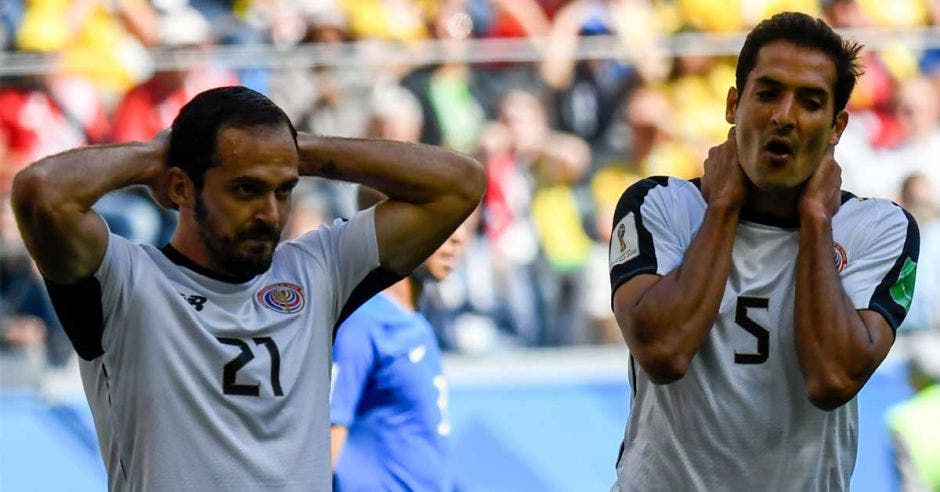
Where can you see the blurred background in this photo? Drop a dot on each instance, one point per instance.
(566, 103)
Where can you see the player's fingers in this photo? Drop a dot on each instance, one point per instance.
(730, 147)
(714, 156)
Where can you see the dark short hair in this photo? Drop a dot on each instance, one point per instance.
(808, 32)
(196, 128)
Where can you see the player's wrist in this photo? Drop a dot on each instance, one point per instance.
(312, 159)
(814, 211)
(726, 205)
(815, 216)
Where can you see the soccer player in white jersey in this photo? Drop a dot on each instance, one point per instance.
(758, 301)
(206, 362)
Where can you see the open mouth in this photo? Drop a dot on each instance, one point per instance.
(779, 149)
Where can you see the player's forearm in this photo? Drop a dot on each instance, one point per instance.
(338, 435)
(79, 177)
(405, 172)
(673, 318)
(834, 346)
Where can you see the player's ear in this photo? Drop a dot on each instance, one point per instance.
(842, 119)
(180, 189)
(731, 104)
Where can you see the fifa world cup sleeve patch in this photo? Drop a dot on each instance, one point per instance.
(903, 289)
(624, 243)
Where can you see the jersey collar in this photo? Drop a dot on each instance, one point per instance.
(178, 258)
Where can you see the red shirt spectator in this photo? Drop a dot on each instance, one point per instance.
(38, 119)
(150, 107)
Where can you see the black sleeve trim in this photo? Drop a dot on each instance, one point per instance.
(376, 281)
(631, 201)
(846, 196)
(632, 375)
(882, 300)
(619, 455)
(79, 309)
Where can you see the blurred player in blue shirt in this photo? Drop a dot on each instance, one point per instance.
(388, 404)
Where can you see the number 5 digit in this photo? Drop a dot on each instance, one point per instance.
(760, 333)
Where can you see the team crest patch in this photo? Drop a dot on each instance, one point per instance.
(840, 256)
(284, 298)
(623, 242)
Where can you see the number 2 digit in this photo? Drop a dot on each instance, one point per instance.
(230, 370)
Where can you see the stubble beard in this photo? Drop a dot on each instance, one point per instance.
(223, 249)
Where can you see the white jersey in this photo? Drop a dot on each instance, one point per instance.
(739, 419)
(201, 384)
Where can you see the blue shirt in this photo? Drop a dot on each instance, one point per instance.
(388, 389)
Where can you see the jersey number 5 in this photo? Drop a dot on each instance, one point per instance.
(229, 387)
(760, 333)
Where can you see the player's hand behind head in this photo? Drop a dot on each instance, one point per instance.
(724, 182)
(822, 192)
(158, 182)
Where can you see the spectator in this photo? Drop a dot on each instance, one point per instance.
(696, 88)
(561, 208)
(601, 324)
(587, 94)
(918, 195)
(100, 40)
(871, 101)
(918, 108)
(323, 99)
(510, 147)
(897, 13)
(395, 20)
(654, 147)
(11, 12)
(150, 107)
(507, 19)
(43, 115)
(452, 115)
(229, 20)
(914, 424)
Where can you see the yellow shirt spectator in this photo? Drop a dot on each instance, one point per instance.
(91, 42)
(896, 13)
(398, 20)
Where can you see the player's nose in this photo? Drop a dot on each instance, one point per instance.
(783, 116)
(268, 209)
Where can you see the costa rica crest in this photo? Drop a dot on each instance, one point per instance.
(284, 298)
(841, 257)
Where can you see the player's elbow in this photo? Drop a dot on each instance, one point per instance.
(662, 365)
(661, 357)
(830, 393)
(30, 193)
(469, 180)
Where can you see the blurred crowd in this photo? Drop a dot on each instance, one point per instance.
(561, 137)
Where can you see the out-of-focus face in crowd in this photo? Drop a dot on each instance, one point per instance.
(918, 108)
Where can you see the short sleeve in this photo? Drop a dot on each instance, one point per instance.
(881, 275)
(83, 308)
(353, 358)
(644, 238)
(350, 250)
